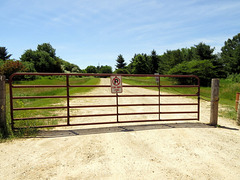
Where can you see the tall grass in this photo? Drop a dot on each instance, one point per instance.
(19, 103)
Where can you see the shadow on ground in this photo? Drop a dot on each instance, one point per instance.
(53, 133)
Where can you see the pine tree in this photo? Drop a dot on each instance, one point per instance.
(120, 62)
(4, 54)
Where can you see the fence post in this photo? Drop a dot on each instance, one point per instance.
(214, 102)
(2, 102)
(238, 113)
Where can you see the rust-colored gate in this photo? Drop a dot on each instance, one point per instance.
(154, 105)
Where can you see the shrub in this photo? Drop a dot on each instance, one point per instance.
(234, 78)
(204, 69)
(9, 67)
(121, 71)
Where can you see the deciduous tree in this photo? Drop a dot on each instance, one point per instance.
(44, 58)
(91, 69)
(231, 55)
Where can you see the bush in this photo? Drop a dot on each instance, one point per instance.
(234, 78)
(121, 71)
(9, 67)
(204, 69)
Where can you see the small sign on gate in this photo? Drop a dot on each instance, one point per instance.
(116, 84)
(157, 78)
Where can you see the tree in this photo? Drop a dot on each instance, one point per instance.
(44, 58)
(69, 67)
(46, 47)
(91, 69)
(187, 54)
(169, 59)
(106, 69)
(203, 69)
(203, 52)
(231, 55)
(154, 62)
(140, 64)
(120, 62)
(130, 65)
(4, 54)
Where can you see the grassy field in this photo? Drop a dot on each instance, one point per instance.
(20, 103)
(227, 92)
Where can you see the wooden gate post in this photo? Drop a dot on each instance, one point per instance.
(214, 102)
(238, 113)
(2, 102)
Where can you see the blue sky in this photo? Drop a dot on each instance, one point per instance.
(95, 32)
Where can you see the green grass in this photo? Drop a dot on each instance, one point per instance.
(8, 133)
(227, 91)
(163, 81)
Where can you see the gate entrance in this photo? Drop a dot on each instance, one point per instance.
(142, 98)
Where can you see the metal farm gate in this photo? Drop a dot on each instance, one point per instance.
(155, 106)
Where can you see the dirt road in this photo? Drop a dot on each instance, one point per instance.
(182, 150)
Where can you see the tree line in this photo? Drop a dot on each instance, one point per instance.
(43, 59)
(199, 60)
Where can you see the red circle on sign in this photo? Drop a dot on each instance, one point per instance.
(116, 81)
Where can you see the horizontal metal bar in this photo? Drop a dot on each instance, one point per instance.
(92, 115)
(37, 97)
(95, 96)
(35, 118)
(62, 86)
(92, 96)
(92, 106)
(186, 86)
(138, 105)
(114, 122)
(89, 86)
(157, 120)
(138, 113)
(173, 95)
(180, 104)
(187, 119)
(95, 106)
(44, 126)
(179, 112)
(146, 95)
(39, 86)
(39, 108)
(173, 104)
(140, 86)
(95, 115)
